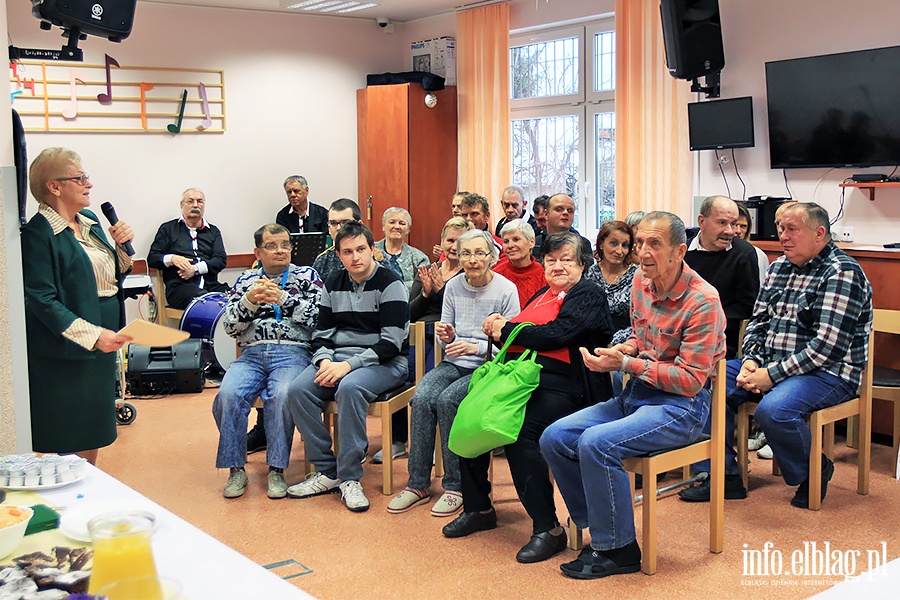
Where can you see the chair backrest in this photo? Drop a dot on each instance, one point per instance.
(886, 321)
(717, 410)
(740, 342)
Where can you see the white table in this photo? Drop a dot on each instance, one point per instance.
(206, 567)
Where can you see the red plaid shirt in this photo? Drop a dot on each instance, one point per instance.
(679, 337)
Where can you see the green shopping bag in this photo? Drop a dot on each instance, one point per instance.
(493, 410)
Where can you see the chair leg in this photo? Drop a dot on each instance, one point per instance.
(828, 439)
(648, 514)
(896, 433)
(576, 541)
(852, 432)
(815, 464)
(387, 452)
(865, 450)
(776, 470)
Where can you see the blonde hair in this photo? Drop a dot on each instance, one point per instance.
(46, 167)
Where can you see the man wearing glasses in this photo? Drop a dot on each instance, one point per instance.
(342, 211)
(190, 252)
(299, 216)
(271, 312)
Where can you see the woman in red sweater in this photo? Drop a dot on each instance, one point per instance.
(521, 268)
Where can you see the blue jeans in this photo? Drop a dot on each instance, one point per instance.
(781, 414)
(263, 370)
(585, 451)
(353, 393)
(434, 405)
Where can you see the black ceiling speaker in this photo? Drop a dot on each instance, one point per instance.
(692, 31)
(110, 19)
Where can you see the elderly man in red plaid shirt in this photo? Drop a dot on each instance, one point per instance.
(678, 335)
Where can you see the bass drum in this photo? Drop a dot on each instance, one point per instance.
(202, 319)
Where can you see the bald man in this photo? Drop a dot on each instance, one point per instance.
(727, 262)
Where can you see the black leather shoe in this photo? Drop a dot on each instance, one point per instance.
(542, 546)
(594, 564)
(256, 440)
(468, 523)
(801, 498)
(734, 490)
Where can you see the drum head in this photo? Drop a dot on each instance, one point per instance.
(224, 346)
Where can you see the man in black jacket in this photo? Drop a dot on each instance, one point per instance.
(190, 253)
(299, 216)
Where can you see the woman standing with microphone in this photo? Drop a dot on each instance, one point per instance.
(73, 308)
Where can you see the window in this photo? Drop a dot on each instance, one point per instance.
(562, 87)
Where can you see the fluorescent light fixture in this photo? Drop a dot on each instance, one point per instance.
(326, 6)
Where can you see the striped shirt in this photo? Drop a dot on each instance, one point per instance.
(370, 318)
(679, 336)
(82, 332)
(817, 316)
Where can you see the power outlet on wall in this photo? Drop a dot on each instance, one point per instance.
(843, 234)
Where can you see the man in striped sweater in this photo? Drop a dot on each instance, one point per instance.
(359, 351)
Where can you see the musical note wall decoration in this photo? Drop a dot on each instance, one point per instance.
(71, 111)
(107, 98)
(141, 99)
(145, 87)
(207, 118)
(176, 128)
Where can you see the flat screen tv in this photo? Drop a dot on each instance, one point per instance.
(836, 110)
(718, 124)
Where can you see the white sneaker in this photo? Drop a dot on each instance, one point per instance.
(398, 449)
(756, 441)
(315, 484)
(765, 452)
(354, 497)
(449, 504)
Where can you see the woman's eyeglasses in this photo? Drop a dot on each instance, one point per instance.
(81, 179)
(479, 255)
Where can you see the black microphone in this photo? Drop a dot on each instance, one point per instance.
(110, 213)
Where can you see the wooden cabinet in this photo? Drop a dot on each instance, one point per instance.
(407, 157)
(881, 267)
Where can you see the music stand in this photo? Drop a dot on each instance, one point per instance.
(305, 247)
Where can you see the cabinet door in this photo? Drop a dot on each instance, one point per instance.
(387, 153)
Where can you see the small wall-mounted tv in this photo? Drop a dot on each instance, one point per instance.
(718, 124)
(836, 110)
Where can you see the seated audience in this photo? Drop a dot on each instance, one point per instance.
(271, 312)
(804, 349)
(514, 204)
(727, 262)
(521, 267)
(341, 212)
(539, 208)
(571, 312)
(300, 216)
(468, 301)
(614, 271)
(359, 351)
(742, 230)
(678, 336)
(426, 297)
(189, 252)
(477, 211)
(400, 257)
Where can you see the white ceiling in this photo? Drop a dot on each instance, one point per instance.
(395, 10)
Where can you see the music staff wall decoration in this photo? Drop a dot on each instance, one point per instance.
(64, 97)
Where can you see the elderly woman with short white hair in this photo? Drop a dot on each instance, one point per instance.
(399, 256)
(521, 268)
(468, 300)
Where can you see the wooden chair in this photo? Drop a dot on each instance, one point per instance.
(821, 426)
(710, 448)
(886, 381)
(164, 313)
(386, 404)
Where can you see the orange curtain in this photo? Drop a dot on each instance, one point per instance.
(482, 58)
(653, 160)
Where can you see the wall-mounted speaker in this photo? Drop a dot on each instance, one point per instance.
(692, 32)
(110, 19)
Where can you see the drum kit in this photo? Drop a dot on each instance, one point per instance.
(202, 319)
